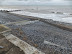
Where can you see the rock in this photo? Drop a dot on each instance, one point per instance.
(52, 12)
(1, 47)
(59, 13)
(70, 14)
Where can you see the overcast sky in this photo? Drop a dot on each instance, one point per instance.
(35, 2)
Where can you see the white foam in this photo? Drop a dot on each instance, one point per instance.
(56, 17)
(7, 9)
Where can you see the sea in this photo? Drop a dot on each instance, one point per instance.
(40, 8)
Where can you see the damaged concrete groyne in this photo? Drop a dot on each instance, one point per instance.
(9, 44)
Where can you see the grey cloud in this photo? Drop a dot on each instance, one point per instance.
(34, 2)
(67, 0)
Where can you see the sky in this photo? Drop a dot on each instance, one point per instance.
(35, 2)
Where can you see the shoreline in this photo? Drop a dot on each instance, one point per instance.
(41, 33)
(62, 25)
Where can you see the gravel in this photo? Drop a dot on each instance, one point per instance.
(39, 32)
(36, 33)
(6, 18)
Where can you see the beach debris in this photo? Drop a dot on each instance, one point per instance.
(25, 38)
(21, 32)
(35, 45)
